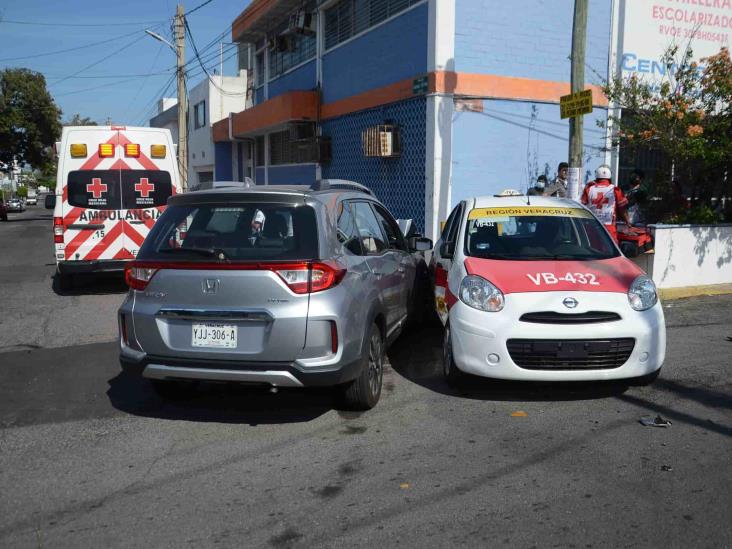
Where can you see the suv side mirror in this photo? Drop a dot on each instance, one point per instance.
(419, 244)
(50, 201)
(447, 249)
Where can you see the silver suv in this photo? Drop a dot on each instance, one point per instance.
(287, 286)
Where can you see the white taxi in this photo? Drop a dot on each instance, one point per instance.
(534, 288)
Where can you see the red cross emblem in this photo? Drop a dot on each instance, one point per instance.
(600, 200)
(144, 187)
(96, 187)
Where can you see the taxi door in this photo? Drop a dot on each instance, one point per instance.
(443, 257)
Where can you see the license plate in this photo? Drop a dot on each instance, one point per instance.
(213, 334)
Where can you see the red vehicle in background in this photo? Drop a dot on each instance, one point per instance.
(3, 211)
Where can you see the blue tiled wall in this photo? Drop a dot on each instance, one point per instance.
(528, 38)
(222, 166)
(397, 182)
(499, 148)
(387, 54)
(302, 78)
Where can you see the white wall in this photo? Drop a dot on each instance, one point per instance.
(691, 255)
(218, 106)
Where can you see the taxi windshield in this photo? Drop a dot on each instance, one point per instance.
(529, 233)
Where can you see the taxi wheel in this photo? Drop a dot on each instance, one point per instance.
(453, 375)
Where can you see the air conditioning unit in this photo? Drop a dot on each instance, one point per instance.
(301, 131)
(381, 141)
(301, 23)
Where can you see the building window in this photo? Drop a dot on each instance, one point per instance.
(288, 51)
(259, 69)
(259, 146)
(284, 151)
(351, 17)
(199, 115)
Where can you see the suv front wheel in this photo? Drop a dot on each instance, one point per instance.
(363, 392)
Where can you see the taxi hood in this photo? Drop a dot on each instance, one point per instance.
(514, 276)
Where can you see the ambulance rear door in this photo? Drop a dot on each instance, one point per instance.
(148, 178)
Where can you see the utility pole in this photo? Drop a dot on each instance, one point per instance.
(180, 36)
(576, 127)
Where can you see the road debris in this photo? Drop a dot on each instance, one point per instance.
(658, 421)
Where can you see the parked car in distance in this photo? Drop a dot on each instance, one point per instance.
(538, 290)
(32, 198)
(285, 286)
(15, 205)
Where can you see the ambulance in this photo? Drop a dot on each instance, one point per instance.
(534, 288)
(113, 182)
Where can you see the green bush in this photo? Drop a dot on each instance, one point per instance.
(22, 192)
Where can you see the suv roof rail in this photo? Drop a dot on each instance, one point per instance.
(340, 184)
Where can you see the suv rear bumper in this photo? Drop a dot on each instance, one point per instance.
(279, 374)
(97, 266)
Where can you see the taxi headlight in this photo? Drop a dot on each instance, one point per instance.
(642, 294)
(478, 293)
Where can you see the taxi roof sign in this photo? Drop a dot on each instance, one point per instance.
(508, 192)
(575, 104)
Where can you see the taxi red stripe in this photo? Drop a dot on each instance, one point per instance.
(105, 242)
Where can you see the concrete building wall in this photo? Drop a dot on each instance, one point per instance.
(387, 53)
(511, 142)
(528, 38)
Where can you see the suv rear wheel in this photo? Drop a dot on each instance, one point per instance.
(363, 392)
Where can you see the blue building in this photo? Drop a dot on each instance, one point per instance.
(425, 101)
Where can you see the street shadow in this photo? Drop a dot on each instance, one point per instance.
(13, 218)
(221, 402)
(91, 284)
(417, 356)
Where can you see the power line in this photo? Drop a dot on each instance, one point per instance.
(107, 85)
(102, 76)
(200, 62)
(95, 63)
(198, 7)
(85, 46)
(39, 24)
(139, 88)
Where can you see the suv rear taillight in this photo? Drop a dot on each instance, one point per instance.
(58, 230)
(306, 277)
(301, 277)
(137, 277)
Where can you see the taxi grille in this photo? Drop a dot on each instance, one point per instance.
(551, 317)
(570, 354)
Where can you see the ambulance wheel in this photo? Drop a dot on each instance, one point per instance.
(453, 375)
(646, 380)
(173, 389)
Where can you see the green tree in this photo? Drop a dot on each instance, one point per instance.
(78, 120)
(687, 117)
(29, 118)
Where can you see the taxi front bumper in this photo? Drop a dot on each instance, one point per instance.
(571, 351)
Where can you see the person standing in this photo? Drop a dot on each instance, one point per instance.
(539, 187)
(606, 200)
(558, 187)
(637, 196)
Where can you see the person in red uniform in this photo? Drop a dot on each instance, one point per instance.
(606, 200)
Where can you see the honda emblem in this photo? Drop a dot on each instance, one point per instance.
(211, 285)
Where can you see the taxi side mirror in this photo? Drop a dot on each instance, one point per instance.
(50, 201)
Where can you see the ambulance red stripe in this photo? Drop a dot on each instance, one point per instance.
(105, 242)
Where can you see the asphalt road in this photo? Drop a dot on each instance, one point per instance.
(89, 457)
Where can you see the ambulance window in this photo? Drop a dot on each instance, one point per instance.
(145, 188)
(94, 189)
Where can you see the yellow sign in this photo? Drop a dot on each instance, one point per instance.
(513, 211)
(575, 104)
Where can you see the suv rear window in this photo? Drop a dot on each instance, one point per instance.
(241, 232)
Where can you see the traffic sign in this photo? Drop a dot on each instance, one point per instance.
(575, 104)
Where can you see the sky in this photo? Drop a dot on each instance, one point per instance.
(118, 72)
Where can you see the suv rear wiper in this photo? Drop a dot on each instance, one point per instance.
(208, 252)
